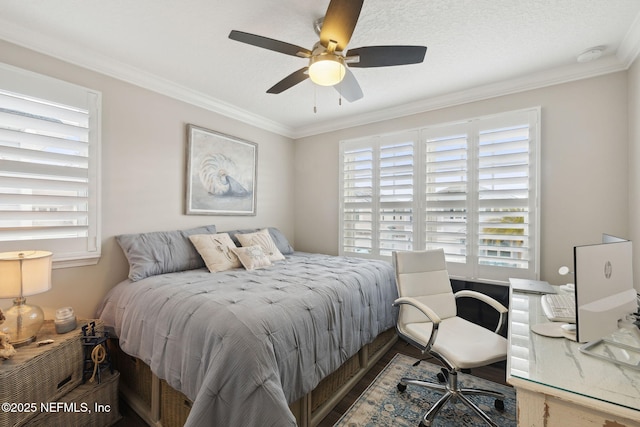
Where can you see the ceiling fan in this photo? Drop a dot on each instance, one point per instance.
(328, 62)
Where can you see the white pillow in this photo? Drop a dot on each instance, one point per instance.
(215, 250)
(252, 257)
(263, 239)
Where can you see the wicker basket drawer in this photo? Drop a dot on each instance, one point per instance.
(41, 374)
(174, 406)
(94, 405)
(135, 374)
(328, 386)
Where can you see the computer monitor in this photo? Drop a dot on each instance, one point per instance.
(604, 288)
(608, 238)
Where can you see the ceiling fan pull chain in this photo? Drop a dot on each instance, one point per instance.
(315, 99)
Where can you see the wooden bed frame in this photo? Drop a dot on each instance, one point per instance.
(159, 405)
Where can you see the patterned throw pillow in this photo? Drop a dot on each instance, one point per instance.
(215, 250)
(263, 239)
(252, 257)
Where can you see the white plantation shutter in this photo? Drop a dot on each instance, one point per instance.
(470, 188)
(357, 200)
(507, 196)
(446, 193)
(396, 193)
(48, 166)
(377, 194)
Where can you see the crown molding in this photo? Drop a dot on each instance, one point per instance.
(566, 74)
(88, 59)
(629, 49)
(625, 56)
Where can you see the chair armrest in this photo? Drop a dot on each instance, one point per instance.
(501, 309)
(435, 319)
(431, 315)
(484, 298)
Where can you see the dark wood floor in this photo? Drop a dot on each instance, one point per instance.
(129, 417)
(495, 373)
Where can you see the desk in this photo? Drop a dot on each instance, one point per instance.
(557, 385)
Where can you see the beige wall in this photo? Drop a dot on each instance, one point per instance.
(584, 166)
(143, 175)
(634, 161)
(586, 181)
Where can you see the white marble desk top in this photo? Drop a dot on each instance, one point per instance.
(558, 362)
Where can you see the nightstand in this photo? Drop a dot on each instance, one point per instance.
(45, 383)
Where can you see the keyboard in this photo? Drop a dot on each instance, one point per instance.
(559, 307)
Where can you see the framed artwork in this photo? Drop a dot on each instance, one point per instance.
(221, 174)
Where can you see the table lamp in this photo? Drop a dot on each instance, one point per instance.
(22, 274)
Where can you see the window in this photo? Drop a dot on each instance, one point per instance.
(49, 174)
(377, 194)
(470, 188)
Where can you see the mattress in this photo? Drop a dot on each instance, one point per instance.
(243, 344)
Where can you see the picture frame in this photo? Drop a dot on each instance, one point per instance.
(221, 173)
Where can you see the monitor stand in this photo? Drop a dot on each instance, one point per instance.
(621, 347)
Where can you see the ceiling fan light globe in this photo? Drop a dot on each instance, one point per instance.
(326, 70)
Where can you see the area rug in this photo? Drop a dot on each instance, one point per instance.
(381, 404)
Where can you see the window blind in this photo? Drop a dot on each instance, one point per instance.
(48, 173)
(469, 187)
(357, 200)
(503, 193)
(377, 194)
(396, 195)
(446, 195)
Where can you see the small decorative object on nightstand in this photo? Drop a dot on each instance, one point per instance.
(65, 320)
(6, 349)
(22, 274)
(96, 353)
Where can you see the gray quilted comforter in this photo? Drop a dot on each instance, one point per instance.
(243, 344)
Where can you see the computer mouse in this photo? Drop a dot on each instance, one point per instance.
(569, 327)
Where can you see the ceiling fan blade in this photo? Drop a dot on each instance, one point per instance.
(385, 56)
(271, 44)
(339, 22)
(349, 88)
(290, 81)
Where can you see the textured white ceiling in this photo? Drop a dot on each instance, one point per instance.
(476, 48)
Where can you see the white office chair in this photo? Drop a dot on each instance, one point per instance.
(428, 320)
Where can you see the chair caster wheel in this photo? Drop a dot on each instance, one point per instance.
(499, 405)
(441, 378)
(402, 387)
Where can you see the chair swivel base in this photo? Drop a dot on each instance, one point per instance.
(452, 390)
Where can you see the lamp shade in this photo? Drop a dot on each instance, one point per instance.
(24, 273)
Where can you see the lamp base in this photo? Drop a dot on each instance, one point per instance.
(22, 322)
(23, 342)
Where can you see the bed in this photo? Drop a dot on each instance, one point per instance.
(246, 343)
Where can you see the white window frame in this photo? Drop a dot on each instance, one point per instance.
(471, 269)
(67, 251)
